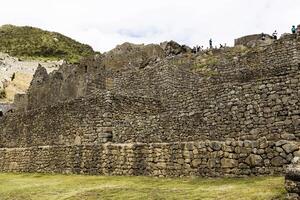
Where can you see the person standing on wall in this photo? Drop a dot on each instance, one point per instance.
(263, 36)
(274, 35)
(293, 29)
(210, 43)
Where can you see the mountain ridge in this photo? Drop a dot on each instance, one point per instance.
(35, 43)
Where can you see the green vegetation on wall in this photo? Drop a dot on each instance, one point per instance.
(35, 43)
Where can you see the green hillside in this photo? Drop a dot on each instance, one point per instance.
(36, 43)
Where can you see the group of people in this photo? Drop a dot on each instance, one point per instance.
(197, 48)
(274, 35)
(294, 30)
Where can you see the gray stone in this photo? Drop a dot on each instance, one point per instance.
(288, 137)
(290, 147)
(254, 160)
(263, 143)
(278, 161)
(292, 196)
(216, 146)
(281, 143)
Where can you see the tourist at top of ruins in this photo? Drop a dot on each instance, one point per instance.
(263, 36)
(210, 43)
(293, 29)
(274, 35)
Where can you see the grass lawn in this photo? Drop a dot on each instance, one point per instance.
(77, 187)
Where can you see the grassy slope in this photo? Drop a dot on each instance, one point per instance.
(73, 187)
(34, 43)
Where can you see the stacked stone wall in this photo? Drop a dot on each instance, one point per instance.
(80, 121)
(162, 120)
(210, 158)
(247, 110)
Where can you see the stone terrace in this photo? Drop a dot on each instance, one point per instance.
(160, 120)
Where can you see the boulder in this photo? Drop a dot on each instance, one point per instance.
(278, 161)
(263, 143)
(290, 147)
(280, 143)
(216, 146)
(173, 48)
(254, 160)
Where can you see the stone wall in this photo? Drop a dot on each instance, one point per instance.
(80, 121)
(253, 40)
(245, 111)
(209, 158)
(189, 108)
(292, 179)
(161, 120)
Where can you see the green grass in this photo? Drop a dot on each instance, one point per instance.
(34, 43)
(69, 187)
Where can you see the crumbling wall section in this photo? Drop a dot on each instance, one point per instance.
(67, 83)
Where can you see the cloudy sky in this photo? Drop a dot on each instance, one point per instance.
(104, 24)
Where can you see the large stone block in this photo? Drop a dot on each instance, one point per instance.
(290, 147)
(278, 161)
(254, 160)
(229, 163)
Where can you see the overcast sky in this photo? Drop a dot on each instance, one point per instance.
(104, 24)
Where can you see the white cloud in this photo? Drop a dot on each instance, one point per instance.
(104, 24)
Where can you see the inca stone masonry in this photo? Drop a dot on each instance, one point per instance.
(143, 110)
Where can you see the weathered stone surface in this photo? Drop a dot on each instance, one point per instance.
(254, 160)
(281, 143)
(124, 157)
(292, 179)
(229, 163)
(290, 148)
(216, 146)
(292, 186)
(293, 196)
(278, 161)
(263, 143)
(173, 48)
(77, 140)
(254, 40)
